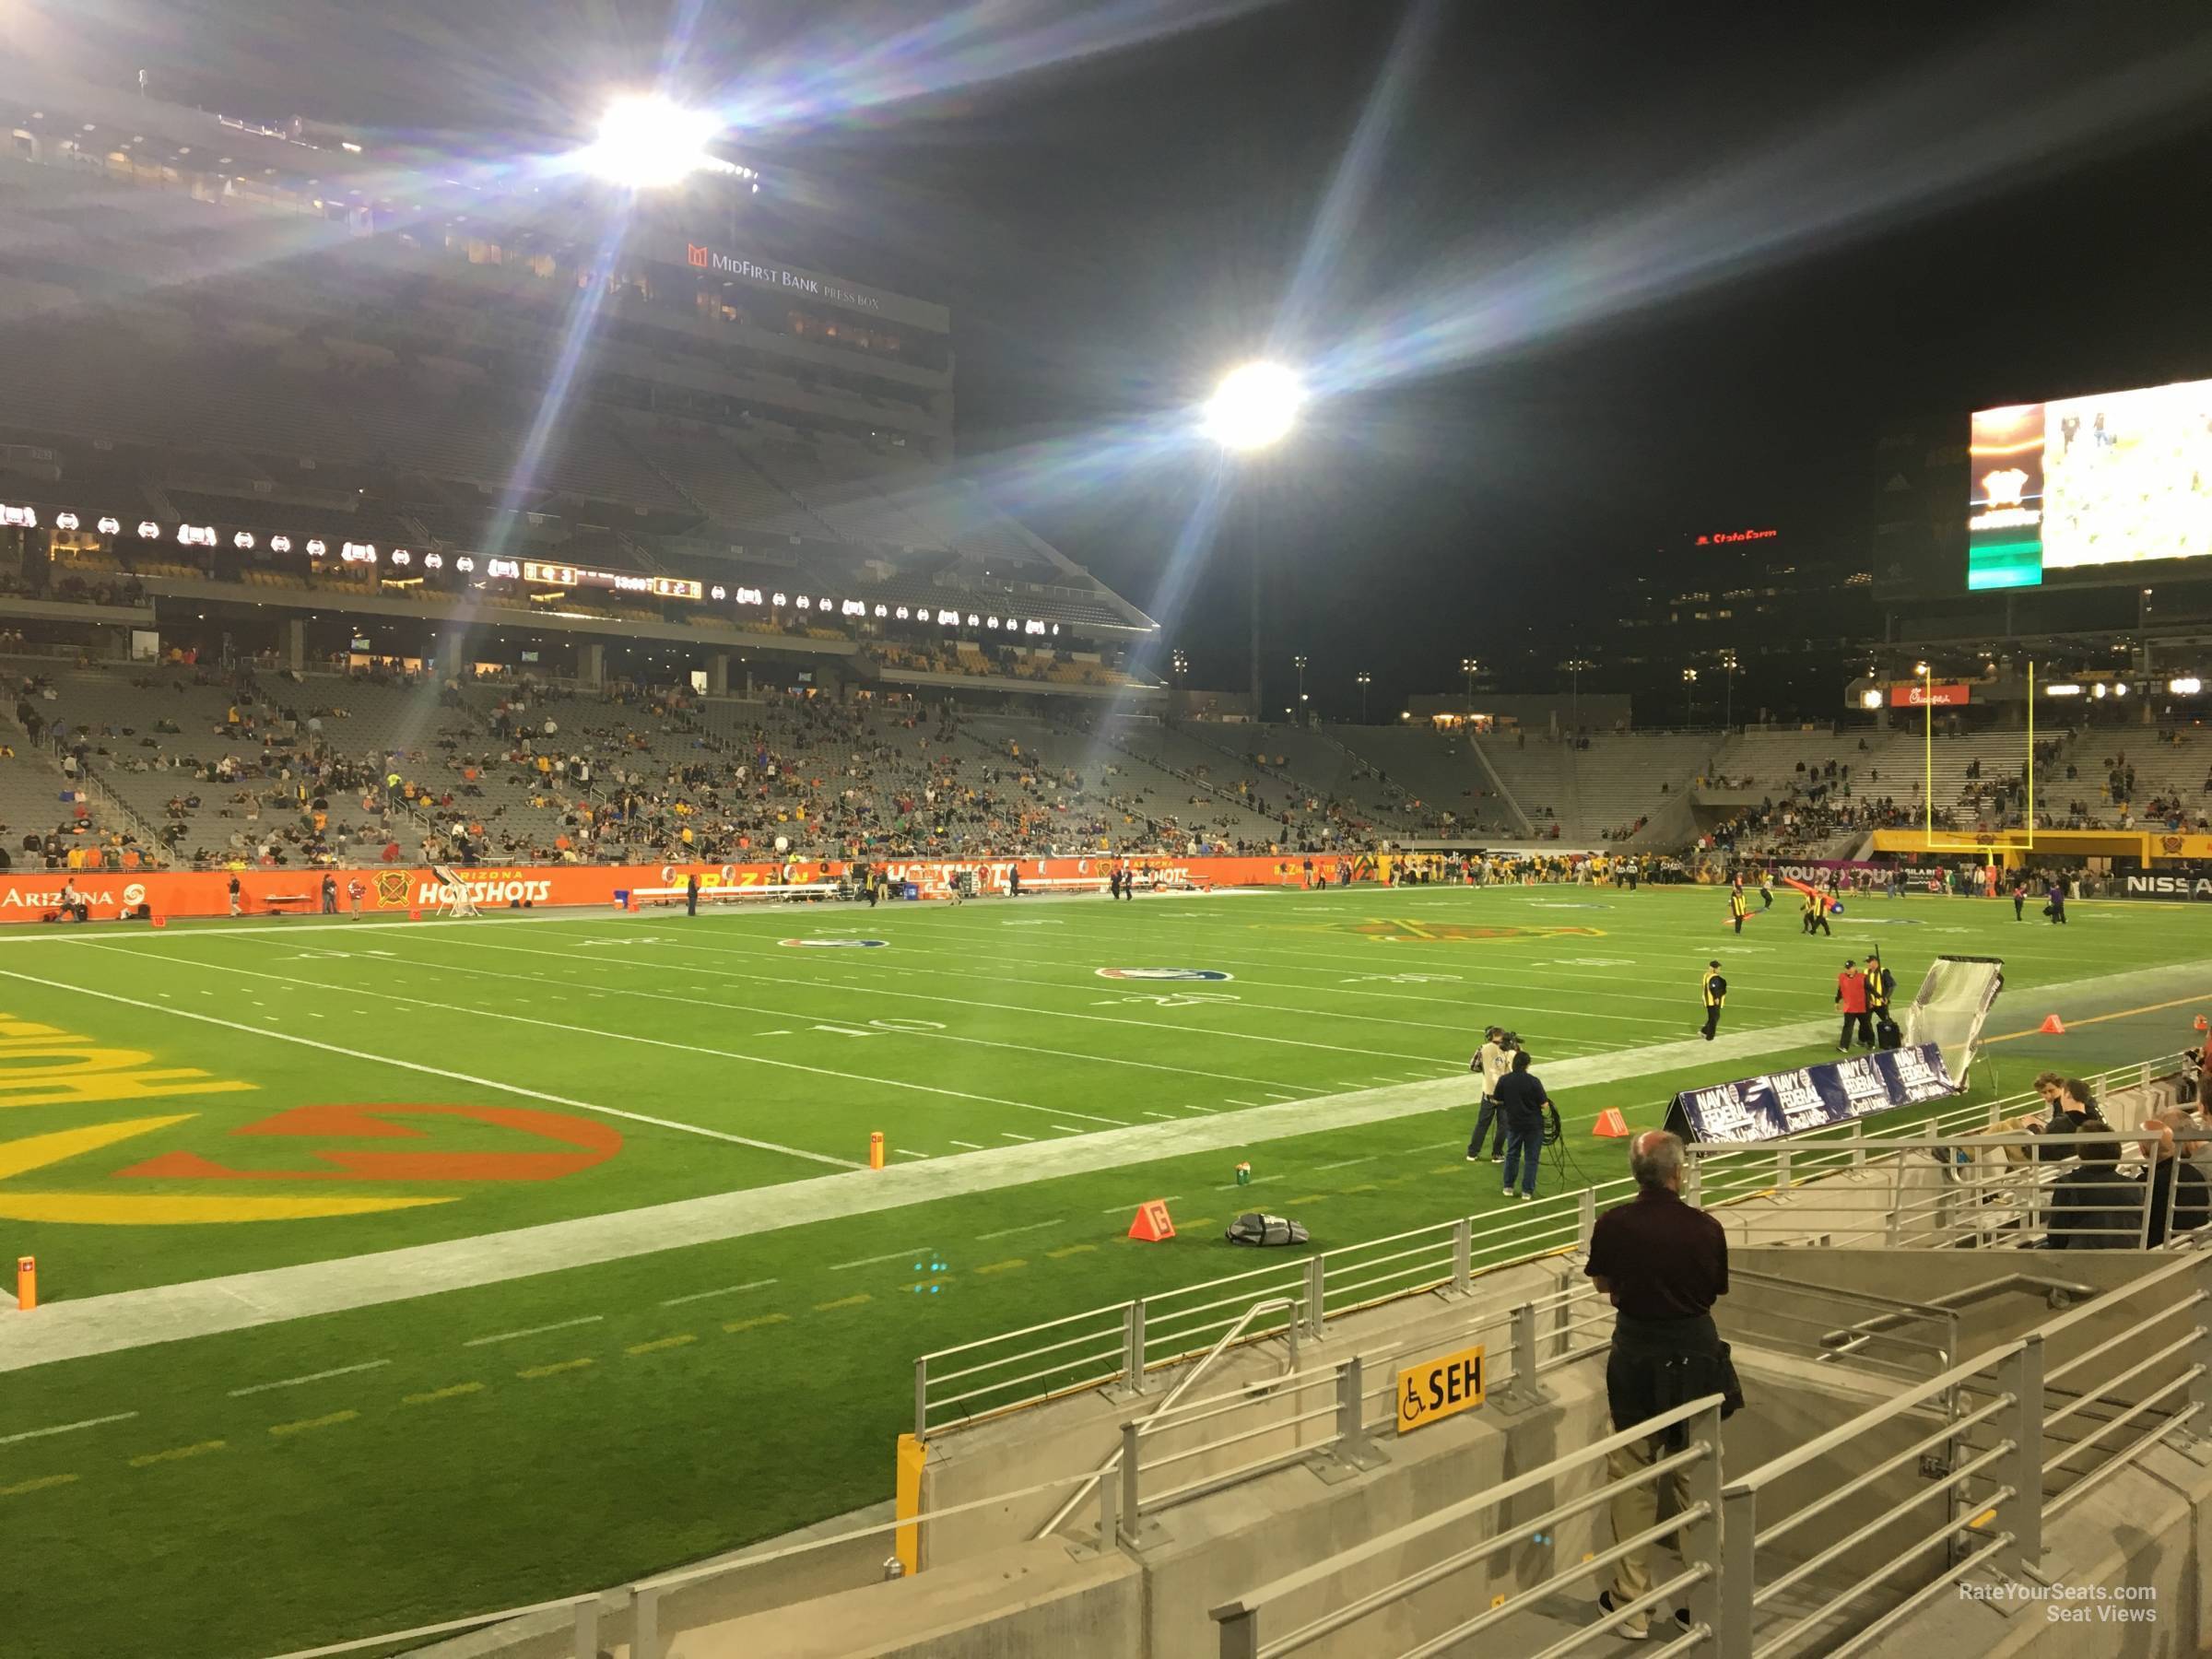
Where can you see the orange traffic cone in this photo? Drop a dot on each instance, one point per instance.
(2052, 1026)
(1610, 1124)
(1152, 1224)
(2201, 1025)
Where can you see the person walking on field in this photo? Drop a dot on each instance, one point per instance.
(2056, 907)
(1738, 906)
(1714, 990)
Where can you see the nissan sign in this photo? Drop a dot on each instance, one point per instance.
(2169, 887)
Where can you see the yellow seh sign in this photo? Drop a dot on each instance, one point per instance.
(1440, 1388)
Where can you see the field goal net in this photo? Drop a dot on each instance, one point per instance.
(452, 892)
(1955, 999)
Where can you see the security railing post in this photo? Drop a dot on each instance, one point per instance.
(1700, 1540)
(1316, 1309)
(1739, 1573)
(922, 1397)
(2021, 1375)
(1525, 1386)
(1239, 1632)
(645, 1626)
(587, 1628)
(1133, 1348)
(1585, 1217)
(1858, 1143)
(1131, 1503)
(2200, 1386)
(1462, 1255)
(1781, 1170)
(1110, 1504)
(1693, 1179)
(1351, 1431)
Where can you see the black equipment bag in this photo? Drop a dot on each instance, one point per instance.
(1886, 1031)
(1252, 1228)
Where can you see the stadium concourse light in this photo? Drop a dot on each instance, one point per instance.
(646, 142)
(1254, 406)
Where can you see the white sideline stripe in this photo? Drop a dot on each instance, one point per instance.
(1009, 1134)
(1164, 1116)
(871, 1260)
(971, 1146)
(1346, 1163)
(1008, 1232)
(130, 1319)
(120, 1417)
(1273, 1096)
(909, 1152)
(343, 1370)
(1255, 1103)
(677, 1301)
(415, 1065)
(535, 1330)
(1070, 1129)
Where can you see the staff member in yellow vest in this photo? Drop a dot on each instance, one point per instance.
(1738, 906)
(1714, 990)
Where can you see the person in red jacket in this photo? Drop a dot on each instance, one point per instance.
(1851, 996)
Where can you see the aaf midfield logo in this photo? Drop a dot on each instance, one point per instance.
(392, 889)
(833, 943)
(1429, 933)
(1164, 974)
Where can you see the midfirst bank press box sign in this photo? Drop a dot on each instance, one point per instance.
(1783, 1103)
(1439, 1388)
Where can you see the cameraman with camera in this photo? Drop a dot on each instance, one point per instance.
(1493, 1060)
(1524, 1108)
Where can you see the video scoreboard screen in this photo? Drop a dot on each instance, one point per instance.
(2118, 478)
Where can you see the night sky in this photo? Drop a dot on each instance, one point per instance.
(1611, 273)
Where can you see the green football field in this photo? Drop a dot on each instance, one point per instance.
(573, 1375)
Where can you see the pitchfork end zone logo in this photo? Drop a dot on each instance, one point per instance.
(1163, 973)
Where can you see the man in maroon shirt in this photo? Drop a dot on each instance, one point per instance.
(1664, 1264)
(1851, 996)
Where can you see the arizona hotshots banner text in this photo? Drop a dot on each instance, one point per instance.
(387, 890)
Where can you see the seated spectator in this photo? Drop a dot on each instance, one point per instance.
(2094, 1206)
(2180, 1198)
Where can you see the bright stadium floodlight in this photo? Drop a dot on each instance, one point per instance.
(648, 143)
(1254, 406)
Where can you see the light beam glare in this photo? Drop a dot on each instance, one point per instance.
(1927, 145)
(1335, 221)
(817, 80)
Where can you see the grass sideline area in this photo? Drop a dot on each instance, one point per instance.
(360, 1088)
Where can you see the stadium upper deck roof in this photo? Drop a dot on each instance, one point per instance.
(349, 312)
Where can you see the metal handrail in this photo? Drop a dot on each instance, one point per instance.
(1246, 1608)
(1275, 1305)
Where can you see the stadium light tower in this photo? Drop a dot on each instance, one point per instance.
(1575, 667)
(1728, 693)
(1928, 711)
(1689, 691)
(648, 143)
(1470, 667)
(1255, 408)
(1363, 679)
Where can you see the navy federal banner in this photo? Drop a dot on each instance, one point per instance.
(1813, 1097)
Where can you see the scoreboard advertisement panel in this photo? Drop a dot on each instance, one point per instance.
(2116, 479)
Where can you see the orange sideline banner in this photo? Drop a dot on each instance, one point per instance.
(389, 890)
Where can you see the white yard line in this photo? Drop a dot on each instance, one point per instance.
(1123, 1209)
(971, 1145)
(1346, 1163)
(119, 1417)
(341, 1370)
(1008, 1232)
(677, 1301)
(565, 1324)
(920, 1250)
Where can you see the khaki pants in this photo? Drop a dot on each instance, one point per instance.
(1635, 1510)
